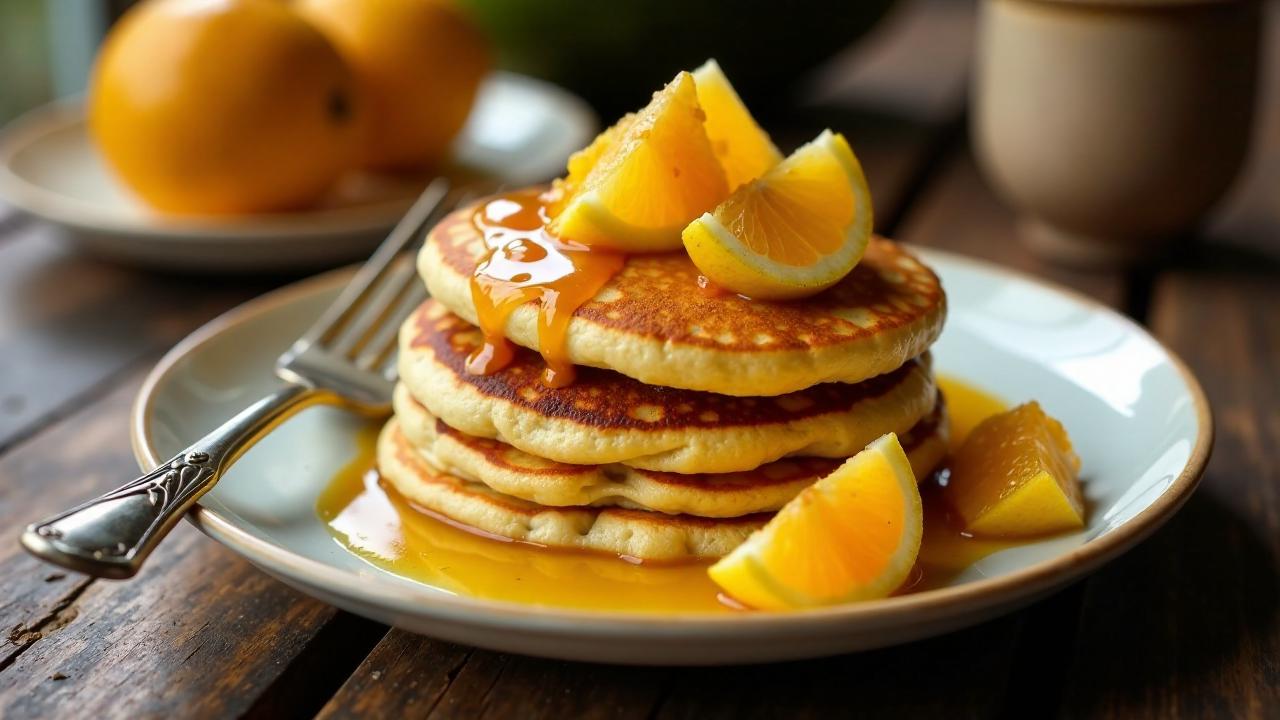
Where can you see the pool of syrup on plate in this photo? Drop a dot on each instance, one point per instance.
(371, 520)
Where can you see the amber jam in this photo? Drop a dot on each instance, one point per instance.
(526, 262)
(369, 518)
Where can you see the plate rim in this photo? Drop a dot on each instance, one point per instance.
(1025, 583)
(60, 209)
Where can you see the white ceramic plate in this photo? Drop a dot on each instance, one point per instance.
(520, 132)
(1138, 418)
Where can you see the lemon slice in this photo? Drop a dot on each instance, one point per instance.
(743, 148)
(791, 233)
(853, 535)
(648, 181)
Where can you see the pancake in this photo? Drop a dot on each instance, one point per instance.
(516, 473)
(651, 322)
(605, 418)
(649, 536)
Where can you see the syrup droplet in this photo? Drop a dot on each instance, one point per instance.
(524, 263)
(709, 288)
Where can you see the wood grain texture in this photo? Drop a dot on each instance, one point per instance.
(420, 677)
(199, 633)
(71, 461)
(960, 675)
(407, 672)
(427, 678)
(69, 322)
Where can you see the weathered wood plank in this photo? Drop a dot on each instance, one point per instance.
(407, 672)
(205, 640)
(199, 633)
(78, 457)
(960, 675)
(533, 688)
(69, 322)
(493, 685)
(419, 676)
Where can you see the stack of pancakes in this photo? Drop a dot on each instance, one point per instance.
(694, 416)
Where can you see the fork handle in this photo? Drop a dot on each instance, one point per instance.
(111, 535)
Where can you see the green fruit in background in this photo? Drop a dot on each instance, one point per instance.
(615, 54)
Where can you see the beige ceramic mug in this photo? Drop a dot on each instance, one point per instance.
(1113, 126)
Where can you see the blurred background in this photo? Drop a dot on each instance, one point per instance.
(1110, 128)
(25, 56)
(613, 54)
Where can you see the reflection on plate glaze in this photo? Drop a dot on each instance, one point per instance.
(370, 519)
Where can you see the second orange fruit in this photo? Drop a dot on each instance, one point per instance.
(419, 64)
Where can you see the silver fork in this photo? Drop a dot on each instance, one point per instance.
(347, 358)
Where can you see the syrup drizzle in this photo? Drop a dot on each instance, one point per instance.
(525, 262)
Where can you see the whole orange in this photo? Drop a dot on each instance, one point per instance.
(419, 64)
(222, 106)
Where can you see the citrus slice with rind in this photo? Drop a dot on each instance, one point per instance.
(793, 232)
(656, 174)
(742, 146)
(853, 535)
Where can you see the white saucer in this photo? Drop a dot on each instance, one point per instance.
(1138, 418)
(520, 132)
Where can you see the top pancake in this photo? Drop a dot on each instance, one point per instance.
(653, 324)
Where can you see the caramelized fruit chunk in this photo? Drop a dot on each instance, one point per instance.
(1015, 475)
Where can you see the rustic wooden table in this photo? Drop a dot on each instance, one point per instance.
(1186, 625)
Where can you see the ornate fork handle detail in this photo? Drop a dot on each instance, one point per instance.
(112, 534)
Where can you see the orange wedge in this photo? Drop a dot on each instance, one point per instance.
(853, 535)
(1015, 475)
(645, 183)
(793, 232)
(581, 162)
(743, 148)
